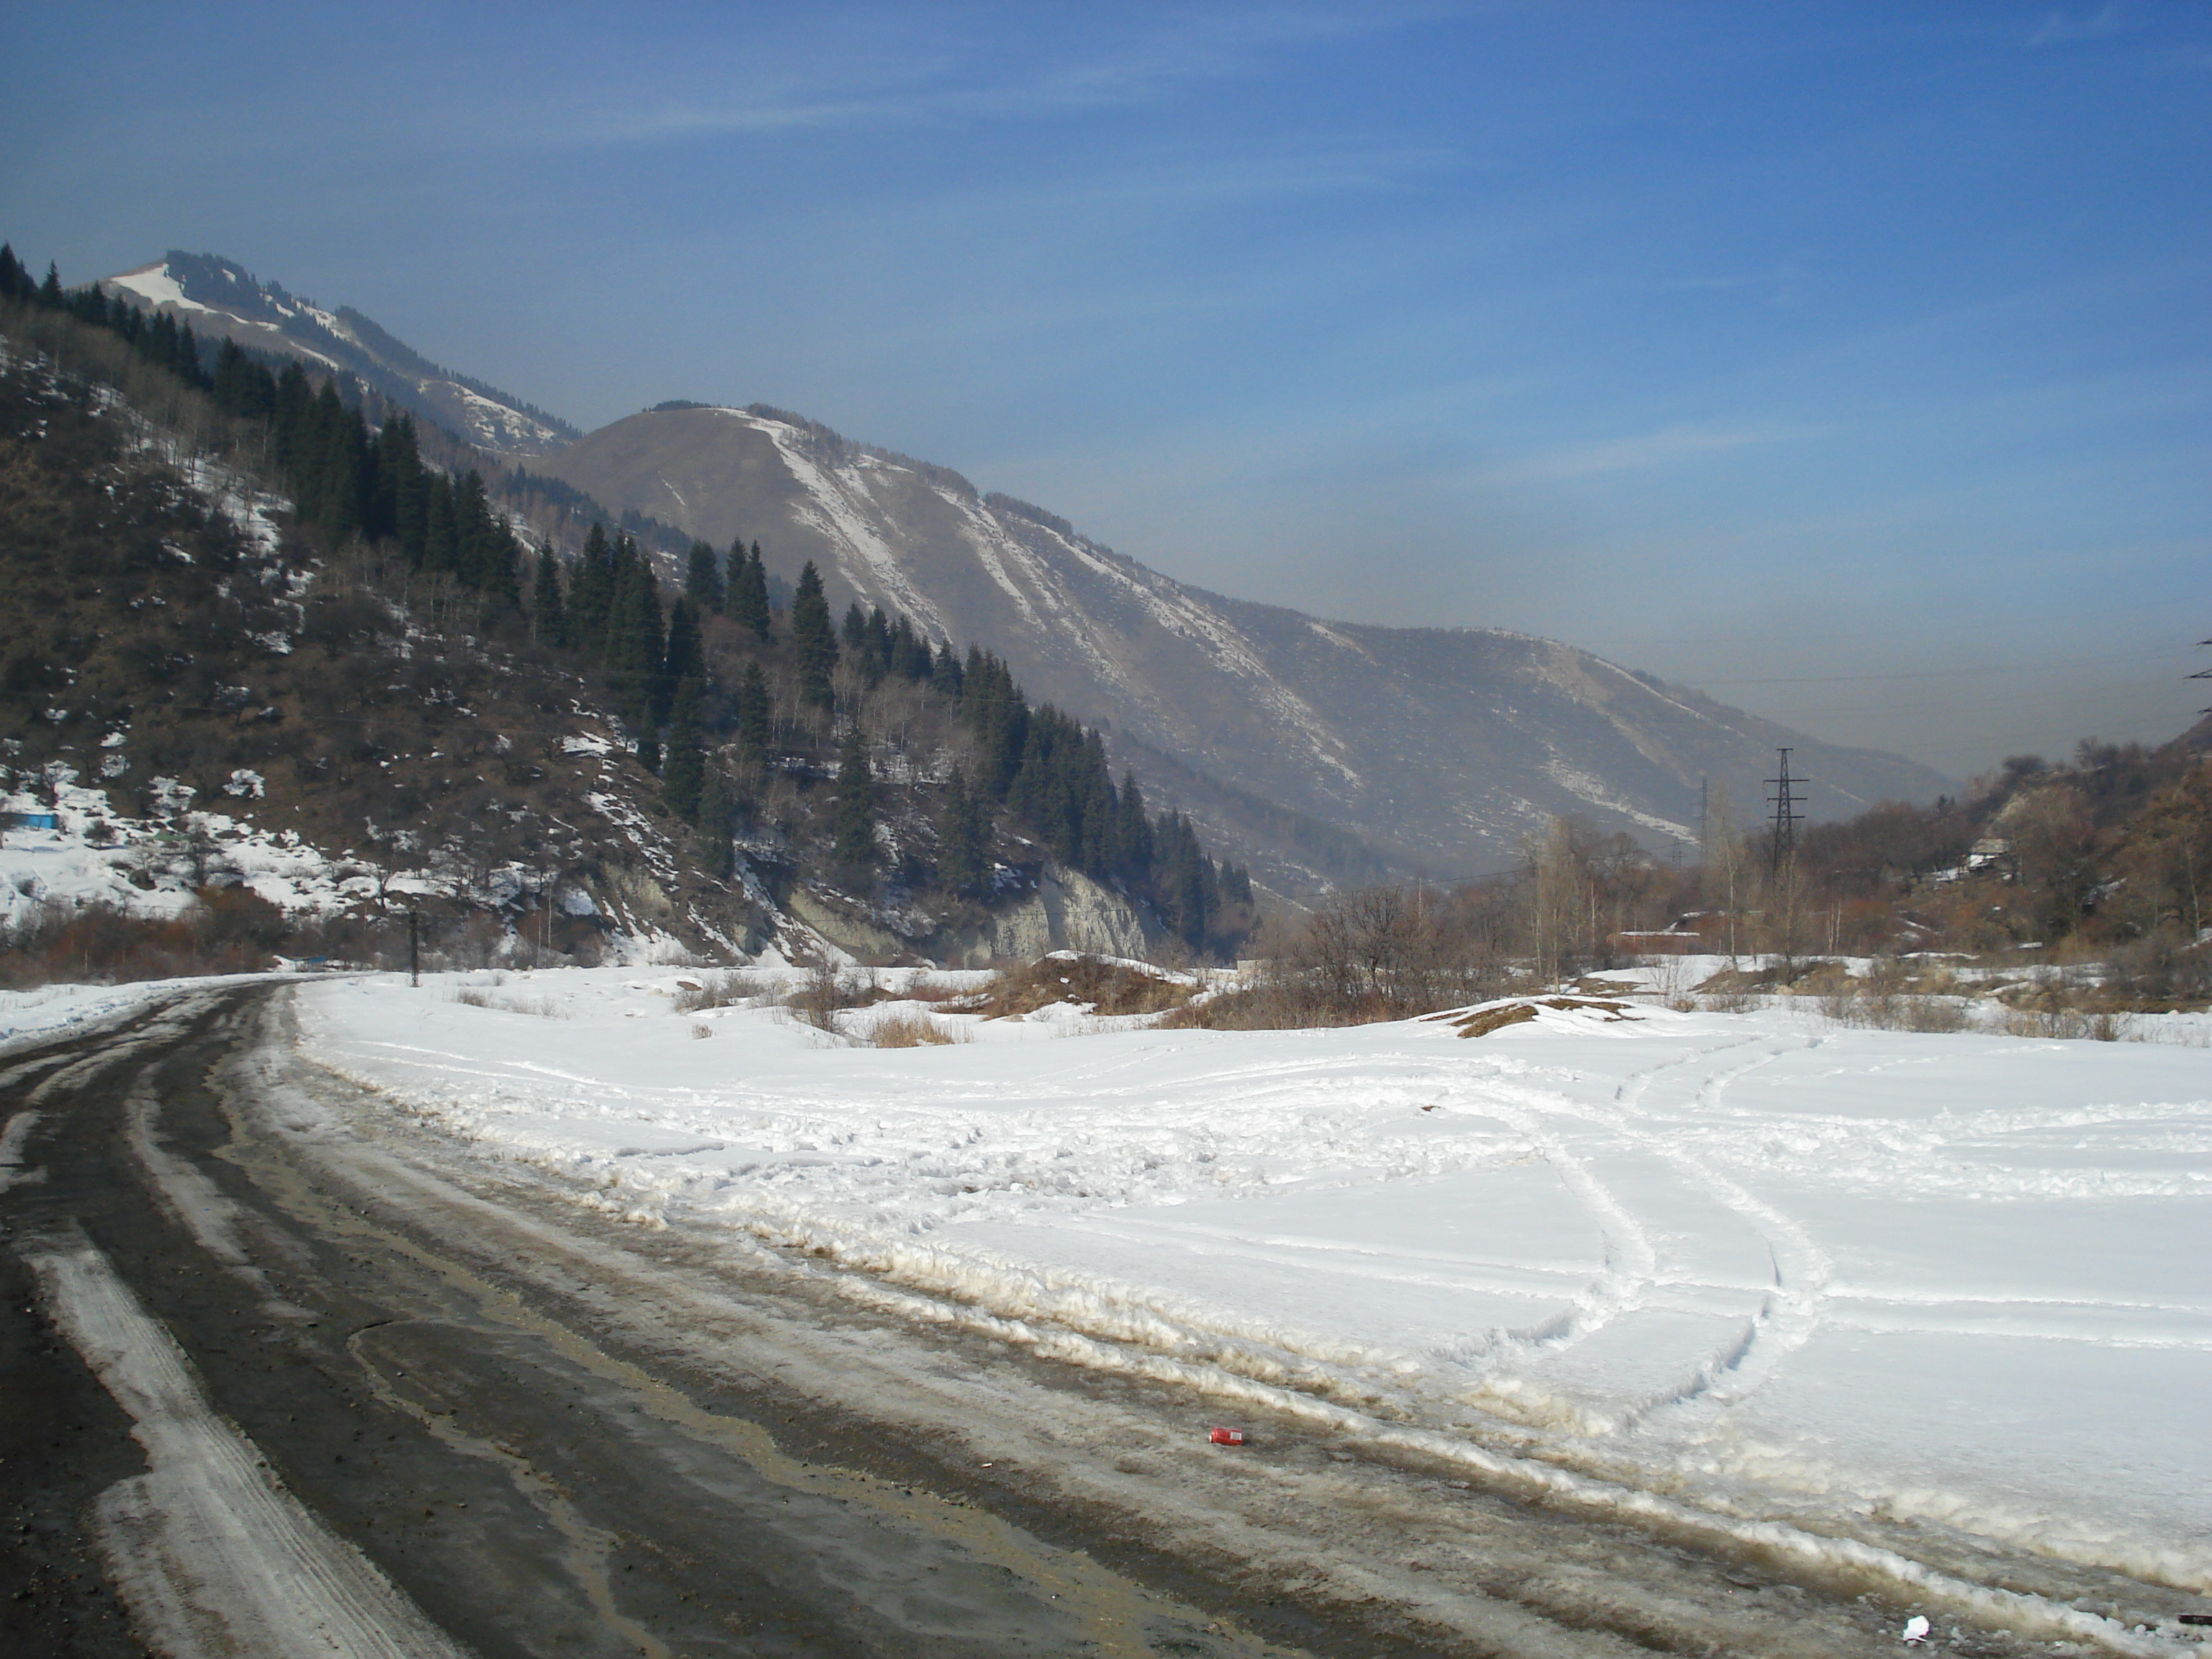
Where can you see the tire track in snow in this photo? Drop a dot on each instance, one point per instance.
(13, 1141)
(1792, 1311)
(1631, 1263)
(213, 1554)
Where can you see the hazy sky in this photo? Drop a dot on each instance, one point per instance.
(1851, 360)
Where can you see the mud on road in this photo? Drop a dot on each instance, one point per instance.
(284, 1372)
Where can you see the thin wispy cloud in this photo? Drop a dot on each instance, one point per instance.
(943, 77)
(1670, 446)
(1392, 311)
(2060, 27)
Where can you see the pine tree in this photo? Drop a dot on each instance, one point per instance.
(296, 403)
(339, 463)
(944, 671)
(635, 647)
(878, 645)
(441, 550)
(1185, 880)
(813, 639)
(715, 812)
(188, 359)
(914, 659)
(683, 767)
(395, 507)
(1095, 805)
(687, 654)
(547, 624)
(1000, 716)
(484, 552)
(855, 835)
(1133, 838)
(1237, 885)
(963, 865)
(703, 578)
(592, 593)
(234, 381)
(648, 747)
(748, 591)
(756, 712)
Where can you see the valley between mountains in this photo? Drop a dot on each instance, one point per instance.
(1320, 751)
(756, 1145)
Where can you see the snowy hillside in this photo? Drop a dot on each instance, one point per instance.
(1441, 747)
(1932, 1308)
(220, 300)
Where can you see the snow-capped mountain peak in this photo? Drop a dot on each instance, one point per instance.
(220, 299)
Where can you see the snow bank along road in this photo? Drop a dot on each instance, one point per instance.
(429, 1323)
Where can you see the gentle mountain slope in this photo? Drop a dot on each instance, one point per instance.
(1441, 747)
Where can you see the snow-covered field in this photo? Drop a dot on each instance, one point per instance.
(1861, 1283)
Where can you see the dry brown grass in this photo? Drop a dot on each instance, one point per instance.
(1111, 988)
(1484, 1021)
(541, 1007)
(910, 1032)
(1496, 1019)
(925, 989)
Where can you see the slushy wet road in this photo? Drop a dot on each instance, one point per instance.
(284, 1374)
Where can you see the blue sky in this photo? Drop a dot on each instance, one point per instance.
(1853, 360)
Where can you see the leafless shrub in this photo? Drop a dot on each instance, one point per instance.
(229, 930)
(1376, 954)
(1931, 1013)
(2053, 1018)
(1730, 1000)
(714, 991)
(825, 992)
(1896, 996)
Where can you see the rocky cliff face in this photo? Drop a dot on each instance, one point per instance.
(1441, 747)
(1064, 911)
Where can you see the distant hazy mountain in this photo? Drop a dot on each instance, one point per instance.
(1321, 750)
(1442, 747)
(220, 299)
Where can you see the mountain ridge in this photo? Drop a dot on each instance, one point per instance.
(1438, 749)
(1442, 747)
(222, 300)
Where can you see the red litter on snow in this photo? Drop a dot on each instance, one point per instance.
(1227, 1436)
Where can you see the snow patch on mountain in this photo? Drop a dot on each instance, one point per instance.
(1324, 631)
(153, 284)
(1578, 783)
(831, 509)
